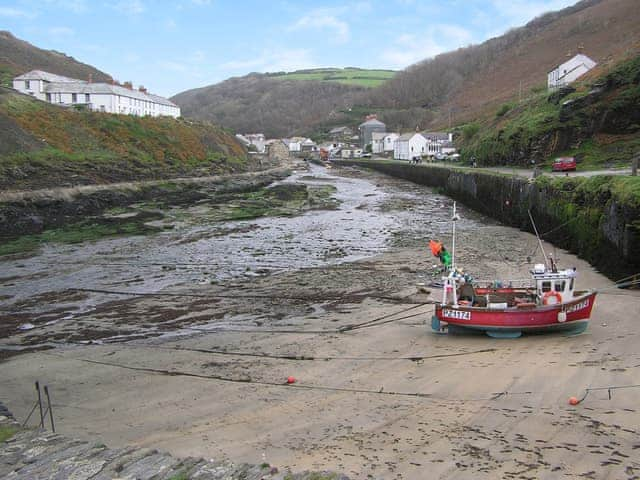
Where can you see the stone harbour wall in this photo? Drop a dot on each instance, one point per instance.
(580, 215)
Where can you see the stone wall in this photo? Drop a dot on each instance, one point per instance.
(593, 225)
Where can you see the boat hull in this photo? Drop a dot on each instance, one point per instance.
(573, 316)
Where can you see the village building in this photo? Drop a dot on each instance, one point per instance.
(410, 146)
(258, 141)
(377, 142)
(389, 141)
(569, 71)
(341, 134)
(102, 97)
(367, 128)
(436, 142)
(308, 145)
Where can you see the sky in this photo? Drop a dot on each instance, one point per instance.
(173, 46)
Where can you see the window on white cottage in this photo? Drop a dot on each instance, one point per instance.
(27, 84)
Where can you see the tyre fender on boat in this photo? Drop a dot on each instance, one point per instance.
(550, 294)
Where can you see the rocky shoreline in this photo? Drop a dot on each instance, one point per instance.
(33, 453)
(28, 213)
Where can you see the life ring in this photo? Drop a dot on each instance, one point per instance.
(548, 295)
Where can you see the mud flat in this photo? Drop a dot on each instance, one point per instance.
(377, 395)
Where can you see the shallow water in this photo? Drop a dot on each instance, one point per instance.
(374, 214)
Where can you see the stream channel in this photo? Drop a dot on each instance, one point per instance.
(374, 213)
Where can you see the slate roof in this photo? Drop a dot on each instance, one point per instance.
(49, 77)
(60, 84)
(371, 123)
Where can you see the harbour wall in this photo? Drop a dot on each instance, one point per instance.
(584, 216)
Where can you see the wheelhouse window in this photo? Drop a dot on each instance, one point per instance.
(546, 286)
(560, 286)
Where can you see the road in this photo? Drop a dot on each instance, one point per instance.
(526, 172)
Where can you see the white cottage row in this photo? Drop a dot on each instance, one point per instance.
(102, 97)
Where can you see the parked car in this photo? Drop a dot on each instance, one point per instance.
(563, 164)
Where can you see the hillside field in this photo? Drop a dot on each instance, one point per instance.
(348, 76)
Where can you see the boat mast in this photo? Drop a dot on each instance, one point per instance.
(546, 262)
(453, 246)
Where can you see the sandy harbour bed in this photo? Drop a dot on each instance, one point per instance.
(392, 400)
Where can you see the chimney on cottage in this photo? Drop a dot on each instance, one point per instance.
(128, 85)
(142, 89)
(91, 78)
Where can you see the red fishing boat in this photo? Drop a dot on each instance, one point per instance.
(548, 302)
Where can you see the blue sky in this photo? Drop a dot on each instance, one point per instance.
(172, 46)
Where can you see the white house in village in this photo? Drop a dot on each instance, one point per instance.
(389, 141)
(103, 97)
(409, 146)
(437, 141)
(308, 145)
(377, 142)
(569, 71)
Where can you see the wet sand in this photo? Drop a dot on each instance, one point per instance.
(390, 400)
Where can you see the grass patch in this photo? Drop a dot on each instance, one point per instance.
(286, 199)
(85, 231)
(348, 76)
(179, 476)
(6, 432)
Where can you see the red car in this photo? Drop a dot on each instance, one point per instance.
(564, 164)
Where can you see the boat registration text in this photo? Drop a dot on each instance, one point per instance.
(457, 314)
(578, 306)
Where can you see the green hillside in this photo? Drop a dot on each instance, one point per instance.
(595, 120)
(43, 145)
(348, 76)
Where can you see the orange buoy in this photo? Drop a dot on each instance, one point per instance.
(573, 401)
(291, 380)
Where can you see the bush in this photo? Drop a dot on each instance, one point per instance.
(469, 131)
(504, 108)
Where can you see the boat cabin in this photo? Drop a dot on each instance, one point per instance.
(555, 286)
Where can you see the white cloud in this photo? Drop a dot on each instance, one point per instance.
(61, 32)
(75, 6)
(170, 24)
(129, 7)
(14, 13)
(324, 19)
(273, 61)
(411, 48)
(173, 66)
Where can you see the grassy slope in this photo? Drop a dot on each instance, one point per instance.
(87, 147)
(348, 76)
(599, 130)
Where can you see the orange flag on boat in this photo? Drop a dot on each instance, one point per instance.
(436, 247)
